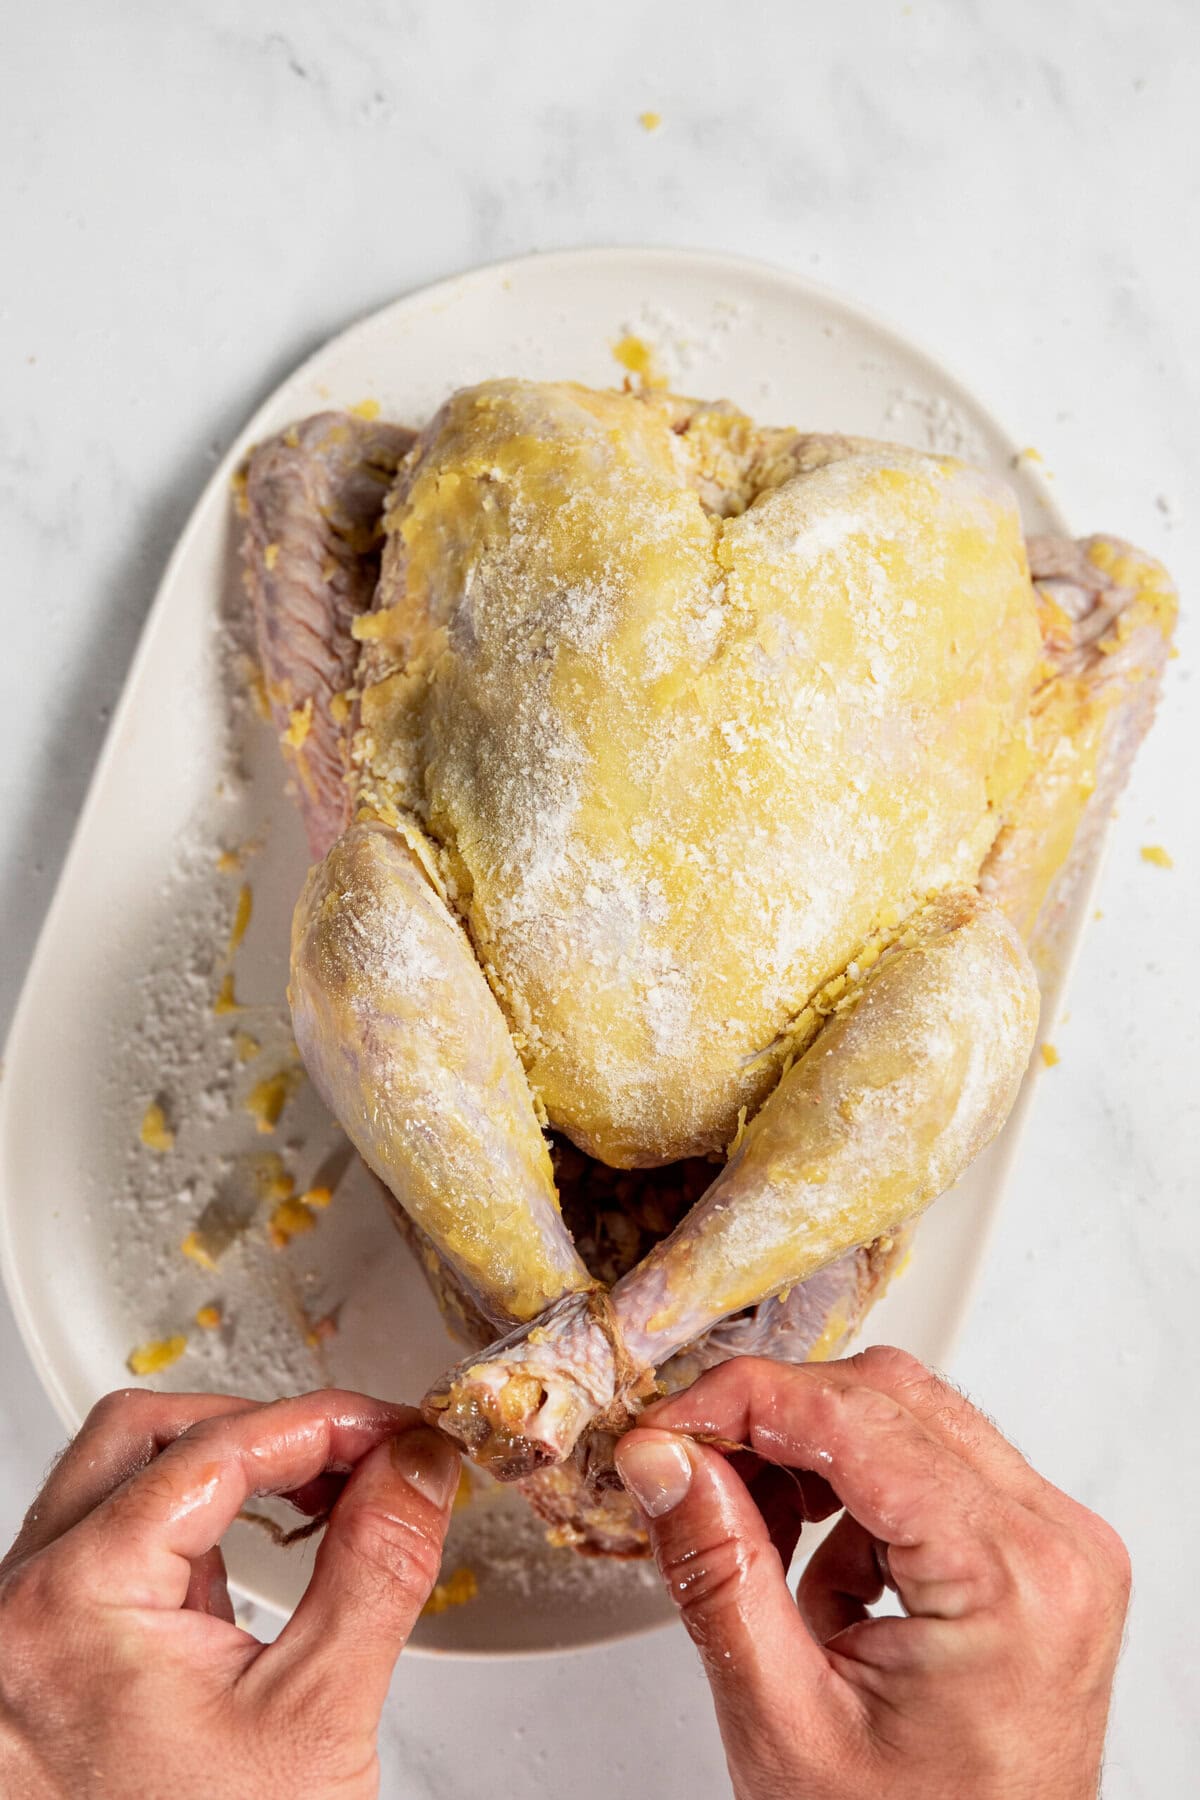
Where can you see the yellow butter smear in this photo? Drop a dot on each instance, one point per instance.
(270, 1177)
(241, 917)
(322, 1328)
(257, 683)
(298, 726)
(290, 1219)
(296, 1214)
(155, 1133)
(158, 1354)
(197, 1251)
(226, 1000)
(635, 354)
(267, 1098)
(456, 1590)
(230, 860)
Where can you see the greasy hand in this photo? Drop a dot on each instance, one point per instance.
(121, 1669)
(995, 1685)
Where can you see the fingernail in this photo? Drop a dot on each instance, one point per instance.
(656, 1471)
(427, 1462)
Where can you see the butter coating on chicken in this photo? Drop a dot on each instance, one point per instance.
(679, 768)
(707, 782)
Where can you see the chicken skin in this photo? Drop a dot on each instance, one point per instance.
(704, 790)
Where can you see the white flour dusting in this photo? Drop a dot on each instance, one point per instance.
(681, 344)
(934, 423)
(498, 1537)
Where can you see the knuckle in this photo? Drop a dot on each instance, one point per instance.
(740, 1373)
(120, 1410)
(707, 1580)
(393, 1550)
(28, 1587)
(1111, 1556)
(885, 1365)
(732, 1376)
(841, 1409)
(1067, 1575)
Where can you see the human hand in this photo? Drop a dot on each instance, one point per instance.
(997, 1682)
(122, 1672)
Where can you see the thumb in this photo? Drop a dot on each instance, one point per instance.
(374, 1571)
(720, 1567)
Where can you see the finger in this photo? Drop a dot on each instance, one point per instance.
(122, 1433)
(208, 1587)
(949, 1416)
(841, 1579)
(788, 1499)
(901, 1482)
(719, 1565)
(374, 1572)
(135, 1548)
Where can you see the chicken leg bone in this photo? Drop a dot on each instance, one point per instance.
(883, 1112)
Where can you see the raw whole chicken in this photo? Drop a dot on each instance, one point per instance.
(687, 800)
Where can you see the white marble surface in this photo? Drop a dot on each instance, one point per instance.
(196, 196)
